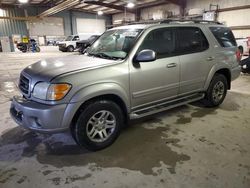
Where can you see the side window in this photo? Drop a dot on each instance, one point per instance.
(76, 38)
(162, 41)
(224, 36)
(191, 40)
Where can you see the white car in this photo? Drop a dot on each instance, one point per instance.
(69, 44)
(243, 45)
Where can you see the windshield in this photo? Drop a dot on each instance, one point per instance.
(69, 38)
(115, 44)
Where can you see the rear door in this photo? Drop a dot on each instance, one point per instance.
(196, 59)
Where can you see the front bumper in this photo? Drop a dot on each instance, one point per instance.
(63, 48)
(38, 117)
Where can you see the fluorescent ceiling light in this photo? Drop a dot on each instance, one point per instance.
(100, 12)
(23, 1)
(1, 12)
(130, 5)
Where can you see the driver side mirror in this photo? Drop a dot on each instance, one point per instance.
(145, 56)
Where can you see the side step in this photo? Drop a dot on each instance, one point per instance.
(165, 105)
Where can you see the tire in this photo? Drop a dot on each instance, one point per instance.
(38, 49)
(216, 92)
(70, 49)
(90, 125)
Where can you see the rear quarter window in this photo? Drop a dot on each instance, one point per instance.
(224, 36)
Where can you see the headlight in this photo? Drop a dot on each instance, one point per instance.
(46, 91)
(40, 90)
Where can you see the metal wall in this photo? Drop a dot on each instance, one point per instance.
(232, 18)
(9, 27)
(69, 18)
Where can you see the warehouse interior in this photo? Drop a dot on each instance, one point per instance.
(186, 146)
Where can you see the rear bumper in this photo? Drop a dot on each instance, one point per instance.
(235, 72)
(38, 117)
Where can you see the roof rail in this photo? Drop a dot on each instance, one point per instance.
(145, 22)
(189, 20)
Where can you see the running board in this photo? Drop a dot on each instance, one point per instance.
(165, 106)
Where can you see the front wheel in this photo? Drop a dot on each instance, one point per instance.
(70, 49)
(98, 125)
(217, 91)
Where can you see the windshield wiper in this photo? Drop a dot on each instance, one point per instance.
(104, 55)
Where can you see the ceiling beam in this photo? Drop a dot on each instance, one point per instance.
(60, 7)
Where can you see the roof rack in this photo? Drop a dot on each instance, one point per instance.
(146, 22)
(189, 20)
(166, 21)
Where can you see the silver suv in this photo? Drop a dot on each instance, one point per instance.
(129, 72)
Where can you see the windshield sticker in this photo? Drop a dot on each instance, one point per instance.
(130, 34)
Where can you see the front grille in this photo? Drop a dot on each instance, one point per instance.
(61, 45)
(24, 84)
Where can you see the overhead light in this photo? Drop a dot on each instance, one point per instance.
(23, 1)
(130, 5)
(100, 12)
(1, 12)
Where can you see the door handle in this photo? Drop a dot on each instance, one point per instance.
(210, 58)
(171, 65)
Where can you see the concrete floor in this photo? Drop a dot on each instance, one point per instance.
(189, 147)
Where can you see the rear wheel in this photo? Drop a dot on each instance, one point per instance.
(217, 91)
(38, 49)
(98, 125)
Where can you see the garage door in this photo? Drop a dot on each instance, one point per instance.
(52, 26)
(90, 25)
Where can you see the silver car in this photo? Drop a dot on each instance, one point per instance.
(129, 72)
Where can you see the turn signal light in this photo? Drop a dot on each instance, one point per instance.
(58, 91)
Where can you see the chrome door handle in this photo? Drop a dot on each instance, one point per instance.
(171, 65)
(210, 58)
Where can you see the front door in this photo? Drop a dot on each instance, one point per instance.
(157, 80)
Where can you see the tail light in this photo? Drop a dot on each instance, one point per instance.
(238, 55)
(248, 42)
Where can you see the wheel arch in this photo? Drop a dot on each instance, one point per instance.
(227, 74)
(108, 91)
(219, 70)
(111, 97)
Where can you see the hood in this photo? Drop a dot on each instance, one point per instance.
(46, 70)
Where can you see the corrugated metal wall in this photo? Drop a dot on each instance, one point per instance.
(9, 27)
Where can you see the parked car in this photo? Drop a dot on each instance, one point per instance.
(69, 44)
(51, 43)
(128, 73)
(243, 45)
(84, 44)
(245, 65)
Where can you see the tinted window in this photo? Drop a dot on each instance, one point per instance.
(224, 36)
(76, 38)
(162, 41)
(191, 40)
